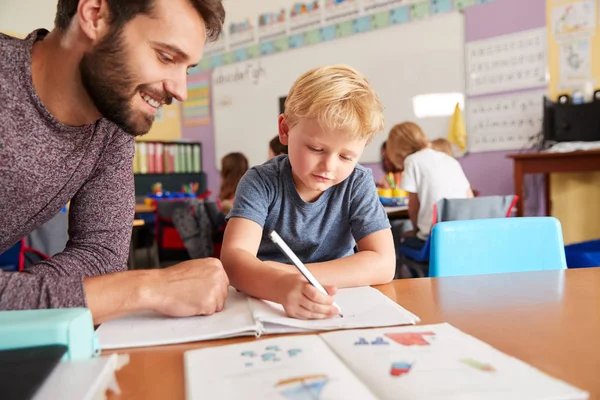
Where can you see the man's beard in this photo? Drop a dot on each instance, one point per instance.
(109, 82)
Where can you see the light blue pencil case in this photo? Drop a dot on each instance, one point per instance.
(72, 327)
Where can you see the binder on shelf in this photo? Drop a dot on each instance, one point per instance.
(167, 157)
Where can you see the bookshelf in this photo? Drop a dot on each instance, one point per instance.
(171, 163)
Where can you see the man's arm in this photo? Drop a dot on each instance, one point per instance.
(100, 218)
(23, 291)
(195, 287)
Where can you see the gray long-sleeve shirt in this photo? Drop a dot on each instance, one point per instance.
(43, 165)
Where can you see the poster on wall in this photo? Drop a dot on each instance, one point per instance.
(305, 16)
(574, 19)
(271, 25)
(384, 5)
(575, 65)
(504, 122)
(241, 34)
(196, 108)
(337, 11)
(509, 62)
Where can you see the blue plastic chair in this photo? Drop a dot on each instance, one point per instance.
(497, 245)
(462, 209)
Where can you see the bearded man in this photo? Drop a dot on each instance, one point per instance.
(73, 100)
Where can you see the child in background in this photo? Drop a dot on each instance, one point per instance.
(233, 167)
(443, 145)
(387, 167)
(428, 177)
(319, 200)
(276, 148)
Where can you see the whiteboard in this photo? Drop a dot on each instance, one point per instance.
(400, 61)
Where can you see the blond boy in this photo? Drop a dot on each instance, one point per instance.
(317, 198)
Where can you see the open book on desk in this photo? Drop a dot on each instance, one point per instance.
(363, 307)
(421, 362)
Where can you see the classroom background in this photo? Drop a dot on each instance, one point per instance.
(261, 35)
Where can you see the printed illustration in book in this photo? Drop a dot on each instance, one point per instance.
(420, 362)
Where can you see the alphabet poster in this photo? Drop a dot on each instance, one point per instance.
(504, 122)
(508, 62)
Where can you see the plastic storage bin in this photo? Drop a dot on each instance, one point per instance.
(582, 255)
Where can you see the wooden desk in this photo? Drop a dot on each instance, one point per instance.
(400, 212)
(546, 163)
(132, 243)
(138, 222)
(549, 319)
(144, 208)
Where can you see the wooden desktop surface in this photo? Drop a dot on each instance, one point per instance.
(549, 319)
(547, 163)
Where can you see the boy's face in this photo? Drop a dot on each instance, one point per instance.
(320, 158)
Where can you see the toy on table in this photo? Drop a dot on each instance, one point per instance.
(393, 196)
(187, 191)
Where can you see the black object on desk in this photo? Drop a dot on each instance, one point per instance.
(24, 370)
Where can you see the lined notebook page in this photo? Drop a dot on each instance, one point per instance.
(362, 307)
(152, 329)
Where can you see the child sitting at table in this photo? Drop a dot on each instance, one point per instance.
(317, 198)
(428, 177)
(233, 167)
(276, 148)
(443, 145)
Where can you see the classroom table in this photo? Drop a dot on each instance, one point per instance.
(399, 212)
(549, 319)
(546, 163)
(137, 223)
(144, 208)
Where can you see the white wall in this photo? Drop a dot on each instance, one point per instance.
(239, 10)
(23, 16)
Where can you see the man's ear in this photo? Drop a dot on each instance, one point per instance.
(94, 18)
(283, 130)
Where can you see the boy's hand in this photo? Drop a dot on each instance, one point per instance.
(303, 301)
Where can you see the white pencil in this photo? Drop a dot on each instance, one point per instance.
(301, 267)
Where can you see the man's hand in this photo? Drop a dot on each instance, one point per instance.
(195, 287)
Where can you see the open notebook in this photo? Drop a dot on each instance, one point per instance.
(420, 362)
(363, 307)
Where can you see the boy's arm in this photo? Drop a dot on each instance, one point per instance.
(374, 264)
(238, 254)
(256, 278)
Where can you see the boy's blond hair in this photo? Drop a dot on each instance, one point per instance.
(403, 140)
(443, 145)
(339, 98)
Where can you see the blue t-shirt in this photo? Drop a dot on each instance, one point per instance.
(324, 230)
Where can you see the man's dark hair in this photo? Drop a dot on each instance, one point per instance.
(211, 11)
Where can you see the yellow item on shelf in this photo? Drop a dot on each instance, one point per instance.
(399, 193)
(384, 192)
(457, 133)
